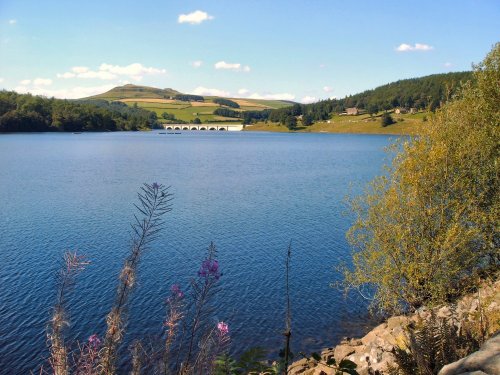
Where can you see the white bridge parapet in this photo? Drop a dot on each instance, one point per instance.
(213, 127)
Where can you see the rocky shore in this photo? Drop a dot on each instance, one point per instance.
(373, 353)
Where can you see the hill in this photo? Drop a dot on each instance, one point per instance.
(173, 106)
(133, 91)
(424, 94)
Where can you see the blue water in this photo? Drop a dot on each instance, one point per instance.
(250, 193)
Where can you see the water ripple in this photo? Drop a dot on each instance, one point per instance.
(250, 193)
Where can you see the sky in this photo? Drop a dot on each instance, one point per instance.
(303, 51)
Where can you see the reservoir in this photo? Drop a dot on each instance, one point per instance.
(250, 193)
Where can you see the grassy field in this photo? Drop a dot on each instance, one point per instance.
(362, 124)
(188, 111)
(162, 100)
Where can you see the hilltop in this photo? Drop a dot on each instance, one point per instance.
(134, 91)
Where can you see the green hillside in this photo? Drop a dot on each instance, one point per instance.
(172, 106)
(424, 94)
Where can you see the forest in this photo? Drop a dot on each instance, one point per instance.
(28, 113)
(425, 93)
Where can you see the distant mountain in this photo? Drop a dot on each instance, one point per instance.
(133, 91)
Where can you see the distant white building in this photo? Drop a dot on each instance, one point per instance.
(352, 111)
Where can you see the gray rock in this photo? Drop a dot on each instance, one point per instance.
(486, 360)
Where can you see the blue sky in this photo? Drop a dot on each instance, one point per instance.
(299, 50)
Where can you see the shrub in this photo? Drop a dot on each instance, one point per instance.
(386, 120)
(431, 223)
(430, 345)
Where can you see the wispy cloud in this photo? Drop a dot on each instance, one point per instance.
(12, 22)
(196, 64)
(36, 82)
(2, 79)
(280, 96)
(243, 92)
(327, 89)
(200, 90)
(195, 18)
(237, 67)
(308, 99)
(105, 71)
(69, 93)
(417, 47)
(447, 64)
(42, 82)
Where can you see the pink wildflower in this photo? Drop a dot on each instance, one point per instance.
(209, 268)
(94, 341)
(223, 328)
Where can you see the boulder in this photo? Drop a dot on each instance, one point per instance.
(486, 360)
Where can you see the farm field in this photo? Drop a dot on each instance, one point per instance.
(163, 100)
(407, 124)
(188, 111)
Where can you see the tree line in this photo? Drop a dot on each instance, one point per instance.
(226, 102)
(425, 93)
(189, 98)
(28, 113)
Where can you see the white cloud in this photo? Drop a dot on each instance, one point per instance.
(25, 82)
(12, 22)
(2, 79)
(195, 17)
(282, 96)
(237, 67)
(42, 82)
(105, 71)
(71, 93)
(196, 64)
(80, 69)
(308, 99)
(66, 75)
(322, 66)
(243, 91)
(200, 90)
(417, 47)
(327, 89)
(447, 64)
(135, 69)
(99, 75)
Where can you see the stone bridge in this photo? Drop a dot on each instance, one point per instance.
(213, 127)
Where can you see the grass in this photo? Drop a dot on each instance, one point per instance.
(158, 100)
(362, 124)
(188, 111)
